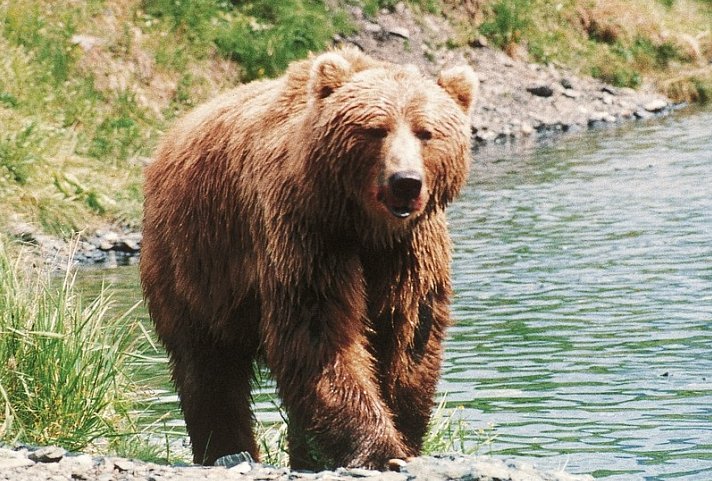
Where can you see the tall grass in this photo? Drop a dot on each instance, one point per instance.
(64, 361)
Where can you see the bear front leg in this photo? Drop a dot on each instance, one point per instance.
(409, 379)
(317, 351)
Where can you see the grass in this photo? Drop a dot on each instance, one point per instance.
(84, 95)
(64, 362)
(447, 432)
(621, 42)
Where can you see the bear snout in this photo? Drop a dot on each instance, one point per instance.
(405, 185)
(401, 193)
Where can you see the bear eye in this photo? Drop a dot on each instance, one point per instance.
(424, 134)
(375, 132)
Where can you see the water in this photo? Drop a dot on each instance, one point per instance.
(583, 272)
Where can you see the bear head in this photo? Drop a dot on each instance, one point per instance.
(395, 142)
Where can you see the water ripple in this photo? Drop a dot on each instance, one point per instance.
(583, 278)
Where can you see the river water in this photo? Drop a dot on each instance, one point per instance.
(583, 277)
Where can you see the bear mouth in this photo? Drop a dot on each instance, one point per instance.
(400, 211)
(399, 208)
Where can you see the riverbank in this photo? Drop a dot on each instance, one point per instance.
(55, 464)
(518, 101)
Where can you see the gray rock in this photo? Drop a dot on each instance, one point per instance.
(399, 32)
(656, 105)
(232, 460)
(357, 472)
(10, 463)
(541, 90)
(480, 42)
(242, 468)
(50, 454)
(566, 83)
(372, 27)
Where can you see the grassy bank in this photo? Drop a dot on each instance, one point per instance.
(623, 42)
(64, 362)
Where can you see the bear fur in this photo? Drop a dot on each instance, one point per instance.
(300, 222)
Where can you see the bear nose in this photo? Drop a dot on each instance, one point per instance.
(405, 185)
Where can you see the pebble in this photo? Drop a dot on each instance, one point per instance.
(49, 454)
(655, 105)
(399, 32)
(541, 90)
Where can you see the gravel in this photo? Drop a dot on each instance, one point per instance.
(55, 464)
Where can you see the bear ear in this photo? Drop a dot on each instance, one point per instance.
(462, 84)
(329, 71)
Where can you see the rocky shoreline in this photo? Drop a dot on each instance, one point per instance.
(52, 463)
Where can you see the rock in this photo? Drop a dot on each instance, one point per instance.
(372, 28)
(480, 42)
(526, 129)
(541, 90)
(481, 468)
(572, 94)
(642, 114)
(86, 42)
(428, 468)
(566, 83)
(233, 460)
(609, 90)
(396, 464)
(127, 246)
(399, 32)
(656, 105)
(50, 454)
(13, 459)
(600, 116)
(242, 468)
(361, 473)
(486, 136)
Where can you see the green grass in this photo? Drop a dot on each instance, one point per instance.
(261, 36)
(372, 7)
(64, 362)
(95, 116)
(655, 41)
(507, 22)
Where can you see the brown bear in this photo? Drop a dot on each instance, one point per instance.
(300, 222)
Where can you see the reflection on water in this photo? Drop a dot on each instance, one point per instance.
(583, 272)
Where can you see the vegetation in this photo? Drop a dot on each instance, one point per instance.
(618, 41)
(64, 362)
